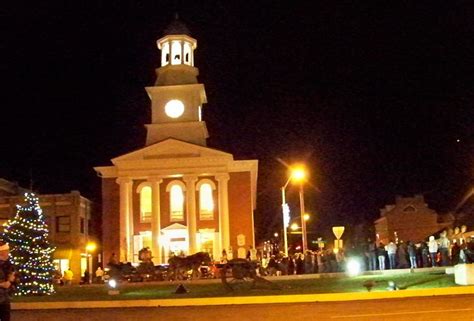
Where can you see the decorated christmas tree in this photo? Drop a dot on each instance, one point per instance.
(30, 251)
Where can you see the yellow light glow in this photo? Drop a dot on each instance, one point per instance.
(306, 217)
(145, 203)
(298, 174)
(206, 202)
(177, 203)
(294, 226)
(90, 247)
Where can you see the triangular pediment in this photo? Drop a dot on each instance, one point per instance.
(172, 149)
(174, 226)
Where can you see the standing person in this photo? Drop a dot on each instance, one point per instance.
(308, 262)
(391, 249)
(85, 277)
(381, 256)
(68, 276)
(299, 263)
(433, 249)
(291, 265)
(372, 254)
(113, 260)
(7, 277)
(272, 266)
(443, 248)
(455, 253)
(99, 275)
(402, 256)
(425, 254)
(319, 261)
(224, 257)
(412, 254)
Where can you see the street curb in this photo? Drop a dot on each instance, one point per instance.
(270, 299)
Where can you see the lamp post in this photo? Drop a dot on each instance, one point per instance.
(286, 216)
(90, 247)
(297, 174)
(303, 221)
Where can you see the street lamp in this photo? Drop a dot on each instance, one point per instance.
(90, 247)
(297, 174)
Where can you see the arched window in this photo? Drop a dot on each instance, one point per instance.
(206, 199)
(187, 53)
(145, 203)
(165, 54)
(176, 190)
(176, 53)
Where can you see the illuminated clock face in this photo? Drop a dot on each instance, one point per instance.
(174, 108)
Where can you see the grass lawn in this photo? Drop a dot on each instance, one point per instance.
(165, 290)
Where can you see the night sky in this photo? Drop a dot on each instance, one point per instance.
(375, 97)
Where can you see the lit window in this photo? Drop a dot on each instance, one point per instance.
(187, 53)
(176, 203)
(176, 53)
(145, 204)
(165, 54)
(206, 202)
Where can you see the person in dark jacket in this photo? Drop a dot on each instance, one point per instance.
(299, 263)
(425, 254)
(371, 254)
(291, 265)
(381, 255)
(7, 277)
(412, 254)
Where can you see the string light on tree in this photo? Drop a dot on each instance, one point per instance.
(30, 251)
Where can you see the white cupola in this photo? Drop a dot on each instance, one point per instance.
(177, 46)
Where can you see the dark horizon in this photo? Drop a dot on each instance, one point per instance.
(377, 100)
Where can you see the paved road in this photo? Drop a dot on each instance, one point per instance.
(446, 308)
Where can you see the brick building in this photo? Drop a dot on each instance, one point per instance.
(176, 195)
(409, 219)
(69, 218)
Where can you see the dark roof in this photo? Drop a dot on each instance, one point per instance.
(177, 27)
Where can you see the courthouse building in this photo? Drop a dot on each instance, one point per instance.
(176, 195)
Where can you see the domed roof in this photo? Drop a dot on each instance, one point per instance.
(177, 27)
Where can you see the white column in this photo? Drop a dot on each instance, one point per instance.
(191, 211)
(224, 233)
(155, 219)
(125, 221)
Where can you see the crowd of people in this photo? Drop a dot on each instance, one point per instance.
(319, 261)
(372, 255)
(401, 255)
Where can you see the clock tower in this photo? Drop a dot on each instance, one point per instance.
(177, 97)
